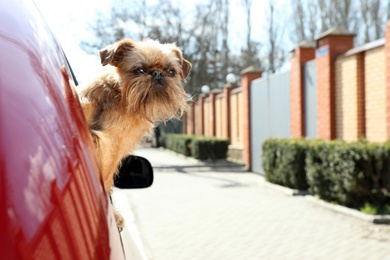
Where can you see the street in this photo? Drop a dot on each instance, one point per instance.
(194, 211)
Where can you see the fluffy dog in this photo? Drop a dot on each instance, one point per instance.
(140, 85)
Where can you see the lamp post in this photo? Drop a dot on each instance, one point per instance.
(231, 79)
(205, 89)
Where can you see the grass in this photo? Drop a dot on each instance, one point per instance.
(375, 209)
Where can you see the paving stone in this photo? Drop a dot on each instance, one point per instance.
(189, 214)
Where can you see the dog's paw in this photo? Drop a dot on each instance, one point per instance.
(120, 222)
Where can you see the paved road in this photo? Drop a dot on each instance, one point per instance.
(192, 212)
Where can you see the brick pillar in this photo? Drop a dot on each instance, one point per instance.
(226, 100)
(387, 51)
(301, 54)
(190, 115)
(247, 76)
(361, 96)
(202, 97)
(185, 122)
(213, 94)
(329, 44)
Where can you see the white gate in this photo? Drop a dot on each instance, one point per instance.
(310, 99)
(270, 113)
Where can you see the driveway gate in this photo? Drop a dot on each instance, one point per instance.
(270, 113)
(310, 99)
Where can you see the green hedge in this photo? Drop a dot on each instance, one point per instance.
(209, 148)
(196, 146)
(178, 143)
(351, 174)
(284, 162)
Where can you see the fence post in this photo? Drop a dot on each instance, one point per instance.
(226, 95)
(387, 71)
(185, 122)
(213, 94)
(304, 52)
(190, 118)
(202, 97)
(329, 44)
(247, 76)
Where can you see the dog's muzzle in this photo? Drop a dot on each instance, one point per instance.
(158, 77)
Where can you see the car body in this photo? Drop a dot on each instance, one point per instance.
(53, 204)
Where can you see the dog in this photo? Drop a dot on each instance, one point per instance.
(141, 84)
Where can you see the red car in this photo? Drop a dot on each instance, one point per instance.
(53, 204)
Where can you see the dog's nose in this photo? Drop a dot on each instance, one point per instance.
(157, 74)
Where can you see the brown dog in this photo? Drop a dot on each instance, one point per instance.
(141, 84)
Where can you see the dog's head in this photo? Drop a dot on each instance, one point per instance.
(151, 77)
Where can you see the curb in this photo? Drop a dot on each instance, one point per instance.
(375, 219)
(131, 236)
(285, 190)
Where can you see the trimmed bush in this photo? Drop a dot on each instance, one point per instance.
(178, 143)
(162, 140)
(284, 162)
(351, 174)
(199, 147)
(204, 148)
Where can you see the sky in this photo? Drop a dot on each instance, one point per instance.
(69, 22)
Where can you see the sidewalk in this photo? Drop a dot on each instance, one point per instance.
(196, 211)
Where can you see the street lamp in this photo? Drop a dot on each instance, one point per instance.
(205, 89)
(231, 79)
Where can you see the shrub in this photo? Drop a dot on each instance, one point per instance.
(204, 148)
(284, 162)
(198, 147)
(162, 140)
(350, 173)
(178, 143)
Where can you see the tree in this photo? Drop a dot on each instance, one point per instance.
(372, 20)
(202, 35)
(274, 51)
(250, 52)
(366, 18)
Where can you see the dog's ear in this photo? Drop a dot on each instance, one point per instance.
(185, 64)
(186, 67)
(113, 54)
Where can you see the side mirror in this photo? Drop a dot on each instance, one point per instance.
(135, 172)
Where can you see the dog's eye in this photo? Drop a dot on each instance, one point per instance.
(138, 71)
(171, 72)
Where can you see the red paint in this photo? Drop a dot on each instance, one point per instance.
(52, 201)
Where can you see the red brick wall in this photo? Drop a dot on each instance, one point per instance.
(236, 119)
(328, 48)
(375, 92)
(219, 116)
(246, 80)
(353, 96)
(349, 97)
(387, 71)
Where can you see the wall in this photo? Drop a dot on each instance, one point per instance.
(236, 119)
(353, 95)
(220, 116)
(348, 97)
(375, 92)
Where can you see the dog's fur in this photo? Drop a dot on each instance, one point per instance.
(141, 84)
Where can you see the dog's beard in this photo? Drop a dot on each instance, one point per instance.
(154, 101)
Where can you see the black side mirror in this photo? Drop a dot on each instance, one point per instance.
(135, 172)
